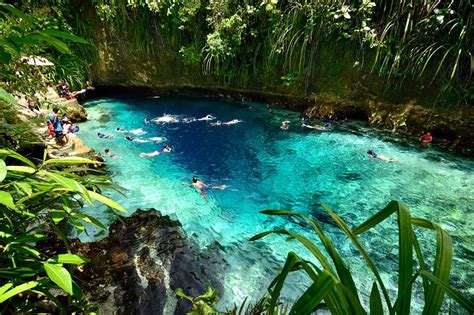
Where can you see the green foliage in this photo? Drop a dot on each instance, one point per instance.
(37, 204)
(404, 42)
(37, 33)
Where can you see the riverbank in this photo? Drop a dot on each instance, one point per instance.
(451, 128)
(38, 126)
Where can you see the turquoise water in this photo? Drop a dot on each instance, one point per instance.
(266, 167)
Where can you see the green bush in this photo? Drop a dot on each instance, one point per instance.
(37, 203)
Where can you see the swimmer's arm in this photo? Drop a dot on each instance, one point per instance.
(189, 185)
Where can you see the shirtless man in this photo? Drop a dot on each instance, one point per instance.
(374, 155)
(202, 187)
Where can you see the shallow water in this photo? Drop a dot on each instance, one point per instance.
(265, 167)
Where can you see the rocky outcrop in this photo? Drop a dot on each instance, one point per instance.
(451, 128)
(138, 267)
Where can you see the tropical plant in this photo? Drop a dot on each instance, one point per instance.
(26, 35)
(333, 283)
(38, 204)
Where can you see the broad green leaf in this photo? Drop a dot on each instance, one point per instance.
(5, 287)
(29, 251)
(7, 200)
(69, 184)
(308, 301)
(69, 259)
(405, 255)
(106, 201)
(15, 155)
(3, 170)
(59, 275)
(376, 307)
(65, 35)
(29, 238)
(180, 293)
(4, 95)
(26, 188)
(57, 215)
(291, 260)
(56, 43)
(14, 11)
(18, 289)
(88, 219)
(21, 169)
(70, 160)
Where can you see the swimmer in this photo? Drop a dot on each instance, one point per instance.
(146, 120)
(426, 138)
(285, 125)
(110, 154)
(166, 119)
(316, 127)
(136, 132)
(188, 120)
(232, 122)
(104, 136)
(202, 187)
(165, 149)
(208, 117)
(129, 138)
(374, 155)
(157, 139)
(217, 123)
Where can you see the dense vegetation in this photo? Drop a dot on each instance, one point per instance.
(39, 205)
(294, 43)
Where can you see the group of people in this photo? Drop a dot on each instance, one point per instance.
(61, 128)
(164, 149)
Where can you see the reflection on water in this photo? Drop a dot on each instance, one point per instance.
(266, 167)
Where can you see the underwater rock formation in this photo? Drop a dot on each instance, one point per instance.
(138, 267)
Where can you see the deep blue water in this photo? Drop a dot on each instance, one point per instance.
(266, 167)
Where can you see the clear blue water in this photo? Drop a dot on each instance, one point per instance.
(266, 167)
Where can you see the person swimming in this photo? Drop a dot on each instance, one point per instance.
(165, 149)
(285, 125)
(232, 122)
(110, 154)
(146, 120)
(104, 136)
(217, 123)
(202, 187)
(426, 138)
(374, 155)
(208, 117)
(136, 132)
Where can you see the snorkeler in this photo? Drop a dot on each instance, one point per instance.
(146, 120)
(202, 187)
(208, 117)
(232, 122)
(316, 127)
(374, 155)
(136, 132)
(104, 136)
(110, 154)
(217, 123)
(285, 125)
(165, 149)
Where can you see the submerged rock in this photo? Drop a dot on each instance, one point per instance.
(138, 267)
